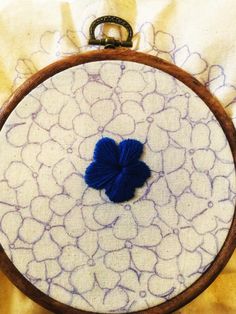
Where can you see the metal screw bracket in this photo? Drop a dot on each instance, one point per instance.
(110, 42)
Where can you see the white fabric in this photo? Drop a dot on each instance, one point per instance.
(70, 240)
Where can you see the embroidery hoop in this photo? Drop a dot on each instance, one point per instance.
(124, 54)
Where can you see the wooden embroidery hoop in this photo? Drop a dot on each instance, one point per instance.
(124, 54)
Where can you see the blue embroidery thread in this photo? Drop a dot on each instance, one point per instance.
(117, 169)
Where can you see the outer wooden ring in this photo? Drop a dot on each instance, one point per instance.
(126, 55)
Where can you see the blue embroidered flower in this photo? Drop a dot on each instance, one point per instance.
(117, 169)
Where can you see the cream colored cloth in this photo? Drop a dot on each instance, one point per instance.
(197, 36)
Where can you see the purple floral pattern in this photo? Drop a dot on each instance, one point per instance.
(69, 240)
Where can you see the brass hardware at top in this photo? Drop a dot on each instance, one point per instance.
(110, 42)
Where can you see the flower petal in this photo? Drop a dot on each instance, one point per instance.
(110, 73)
(157, 138)
(168, 214)
(45, 179)
(217, 137)
(118, 260)
(84, 125)
(10, 225)
(153, 103)
(144, 212)
(195, 113)
(94, 91)
(88, 242)
(27, 107)
(74, 223)
(45, 248)
(189, 263)
(64, 137)
(59, 293)
(164, 41)
(150, 236)
(189, 239)
(159, 192)
(106, 278)
(72, 257)
(125, 227)
(91, 197)
(171, 164)
(203, 159)
(22, 263)
(168, 119)
(190, 206)
(167, 268)
(59, 80)
(61, 237)
(141, 130)
(61, 204)
(224, 210)
(205, 222)
(80, 79)
(108, 242)
(220, 188)
(62, 169)
(51, 153)
(53, 101)
(116, 299)
(67, 114)
(164, 82)
(200, 136)
(107, 214)
(138, 173)
(169, 247)
(152, 159)
(23, 174)
(106, 151)
(182, 136)
(130, 280)
(102, 111)
(161, 286)
(27, 192)
(134, 109)
(179, 102)
(75, 186)
(87, 145)
(178, 181)
(82, 279)
(13, 132)
(122, 124)
(210, 244)
(40, 209)
(143, 264)
(201, 185)
(194, 63)
(36, 270)
(29, 155)
(100, 175)
(88, 217)
(132, 81)
(31, 230)
(121, 189)
(45, 121)
(129, 151)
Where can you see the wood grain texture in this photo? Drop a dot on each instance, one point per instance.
(126, 55)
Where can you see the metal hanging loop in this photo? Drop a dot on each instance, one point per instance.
(110, 42)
